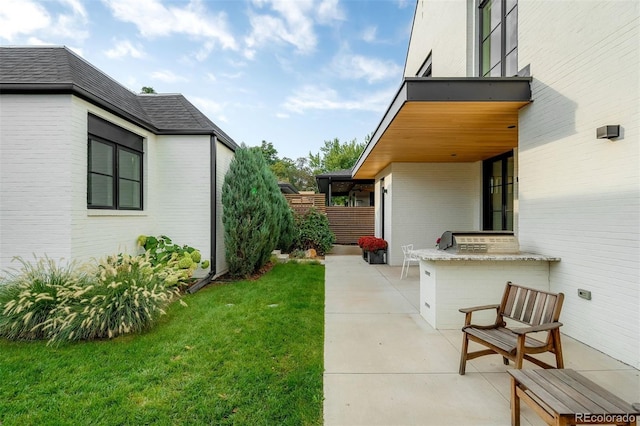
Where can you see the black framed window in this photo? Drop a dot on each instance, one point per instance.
(114, 177)
(498, 184)
(498, 38)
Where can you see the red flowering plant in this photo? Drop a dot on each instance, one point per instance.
(370, 243)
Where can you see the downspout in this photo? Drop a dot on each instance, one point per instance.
(213, 192)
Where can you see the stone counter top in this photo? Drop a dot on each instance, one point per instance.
(441, 255)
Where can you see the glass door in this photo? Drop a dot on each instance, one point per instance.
(498, 184)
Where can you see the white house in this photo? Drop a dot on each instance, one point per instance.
(497, 126)
(87, 165)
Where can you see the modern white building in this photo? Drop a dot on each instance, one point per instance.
(87, 165)
(499, 124)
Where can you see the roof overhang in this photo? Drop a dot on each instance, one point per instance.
(446, 120)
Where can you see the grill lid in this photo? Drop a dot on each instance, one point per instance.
(490, 242)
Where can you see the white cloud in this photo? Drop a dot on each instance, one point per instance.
(76, 6)
(22, 17)
(211, 76)
(402, 3)
(154, 19)
(329, 11)
(282, 115)
(167, 76)
(372, 70)
(369, 34)
(317, 98)
(213, 110)
(124, 48)
(289, 22)
(30, 18)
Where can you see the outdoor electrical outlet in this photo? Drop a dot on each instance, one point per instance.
(585, 294)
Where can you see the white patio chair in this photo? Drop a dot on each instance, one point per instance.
(409, 257)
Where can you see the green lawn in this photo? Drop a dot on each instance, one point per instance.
(249, 352)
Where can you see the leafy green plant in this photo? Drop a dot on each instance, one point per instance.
(174, 264)
(314, 232)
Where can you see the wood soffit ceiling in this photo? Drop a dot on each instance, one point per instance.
(425, 130)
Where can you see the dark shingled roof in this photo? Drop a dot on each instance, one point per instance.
(37, 69)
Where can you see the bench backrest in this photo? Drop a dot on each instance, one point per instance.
(530, 306)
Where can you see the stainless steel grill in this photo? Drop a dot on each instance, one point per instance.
(489, 242)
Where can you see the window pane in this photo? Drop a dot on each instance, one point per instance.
(497, 221)
(486, 20)
(128, 165)
(101, 190)
(129, 194)
(496, 71)
(495, 9)
(511, 28)
(510, 5)
(486, 55)
(101, 158)
(511, 64)
(496, 48)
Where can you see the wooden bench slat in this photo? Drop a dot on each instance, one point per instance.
(529, 309)
(558, 396)
(601, 397)
(564, 393)
(503, 338)
(537, 318)
(549, 398)
(517, 312)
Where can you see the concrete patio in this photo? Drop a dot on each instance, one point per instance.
(384, 365)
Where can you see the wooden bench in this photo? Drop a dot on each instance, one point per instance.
(565, 397)
(537, 310)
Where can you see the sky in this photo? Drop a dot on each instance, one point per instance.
(291, 72)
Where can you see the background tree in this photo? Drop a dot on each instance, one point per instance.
(335, 155)
(269, 153)
(147, 89)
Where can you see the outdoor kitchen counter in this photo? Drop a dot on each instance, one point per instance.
(450, 281)
(437, 255)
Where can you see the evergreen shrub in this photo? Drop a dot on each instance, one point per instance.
(313, 232)
(252, 212)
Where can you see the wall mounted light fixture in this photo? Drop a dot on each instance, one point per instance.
(608, 132)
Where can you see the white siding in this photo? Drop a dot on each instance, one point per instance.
(428, 199)
(580, 196)
(223, 159)
(35, 177)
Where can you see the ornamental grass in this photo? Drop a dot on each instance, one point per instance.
(121, 294)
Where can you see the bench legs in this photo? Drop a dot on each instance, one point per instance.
(463, 354)
(515, 404)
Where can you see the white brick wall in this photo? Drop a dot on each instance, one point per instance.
(35, 184)
(434, 18)
(580, 196)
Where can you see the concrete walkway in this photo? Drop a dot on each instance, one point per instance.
(384, 365)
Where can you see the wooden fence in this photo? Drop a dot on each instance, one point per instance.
(347, 223)
(351, 223)
(300, 203)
